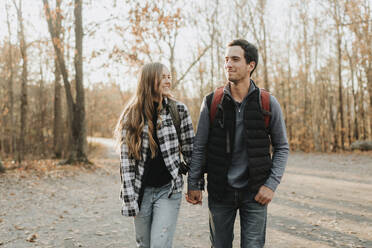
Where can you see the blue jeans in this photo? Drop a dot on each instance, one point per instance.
(222, 214)
(156, 221)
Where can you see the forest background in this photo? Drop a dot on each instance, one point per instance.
(67, 68)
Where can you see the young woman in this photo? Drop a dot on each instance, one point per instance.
(151, 188)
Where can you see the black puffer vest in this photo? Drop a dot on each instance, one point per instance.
(221, 140)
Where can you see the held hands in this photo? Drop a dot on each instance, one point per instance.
(264, 195)
(194, 197)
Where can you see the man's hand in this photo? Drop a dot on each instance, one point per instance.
(194, 197)
(264, 195)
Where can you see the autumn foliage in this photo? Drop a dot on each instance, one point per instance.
(320, 69)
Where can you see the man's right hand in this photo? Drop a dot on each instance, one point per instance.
(194, 197)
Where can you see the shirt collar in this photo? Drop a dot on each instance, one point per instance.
(252, 87)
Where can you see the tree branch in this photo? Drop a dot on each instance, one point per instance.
(190, 67)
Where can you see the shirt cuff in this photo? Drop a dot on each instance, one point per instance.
(199, 185)
(271, 183)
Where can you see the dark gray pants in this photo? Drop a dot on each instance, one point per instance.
(222, 214)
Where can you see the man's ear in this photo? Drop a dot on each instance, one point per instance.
(252, 64)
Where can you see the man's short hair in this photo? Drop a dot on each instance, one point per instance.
(250, 51)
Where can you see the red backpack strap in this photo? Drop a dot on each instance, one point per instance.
(265, 102)
(217, 96)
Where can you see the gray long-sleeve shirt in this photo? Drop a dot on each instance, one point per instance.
(240, 163)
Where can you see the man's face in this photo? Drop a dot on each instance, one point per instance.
(236, 68)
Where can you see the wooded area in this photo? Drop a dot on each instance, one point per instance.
(319, 67)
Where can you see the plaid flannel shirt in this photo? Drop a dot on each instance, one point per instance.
(131, 170)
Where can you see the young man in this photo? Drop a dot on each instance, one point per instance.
(242, 173)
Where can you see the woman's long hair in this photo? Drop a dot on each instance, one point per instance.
(140, 109)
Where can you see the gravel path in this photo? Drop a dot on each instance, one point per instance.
(324, 200)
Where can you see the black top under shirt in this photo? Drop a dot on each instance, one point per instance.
(156, 172)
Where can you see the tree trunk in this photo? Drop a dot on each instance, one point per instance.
(369, 86)
(58, 120)
(211, 82)
(290, 104)
(341, 103)
(262, 4)
(364, 134)
(173, 71)
(325, 133)
(333, 122)
(306, 61)
(355, 96)
(42, 111)
(78, 127)
(23, 48)
(10, 89)
(337, 19)
(75, 112)
(348, 118)
(2, 169)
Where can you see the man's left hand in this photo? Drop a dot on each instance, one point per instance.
(264, 195)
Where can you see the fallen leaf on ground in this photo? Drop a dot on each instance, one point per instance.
(18, 227)
(32, 237)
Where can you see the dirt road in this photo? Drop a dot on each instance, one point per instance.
(323, 201)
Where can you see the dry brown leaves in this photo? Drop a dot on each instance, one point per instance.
(51, 167)
(32, 237)
(45, 167)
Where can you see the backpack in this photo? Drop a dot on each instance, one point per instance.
(183, 168)
(217, 99)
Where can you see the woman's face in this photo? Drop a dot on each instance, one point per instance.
(165, 83)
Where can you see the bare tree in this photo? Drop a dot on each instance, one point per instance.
(23, 49)
(10, 85)
(41, 108)
(303, 49)
(258, 29)
(337, 18)
(359, 13)
(212, 35)
(332, 119)
(205, 17)
(155, 28)
(58, 120)
(75, 109)
(354, 93)
(78, 125)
